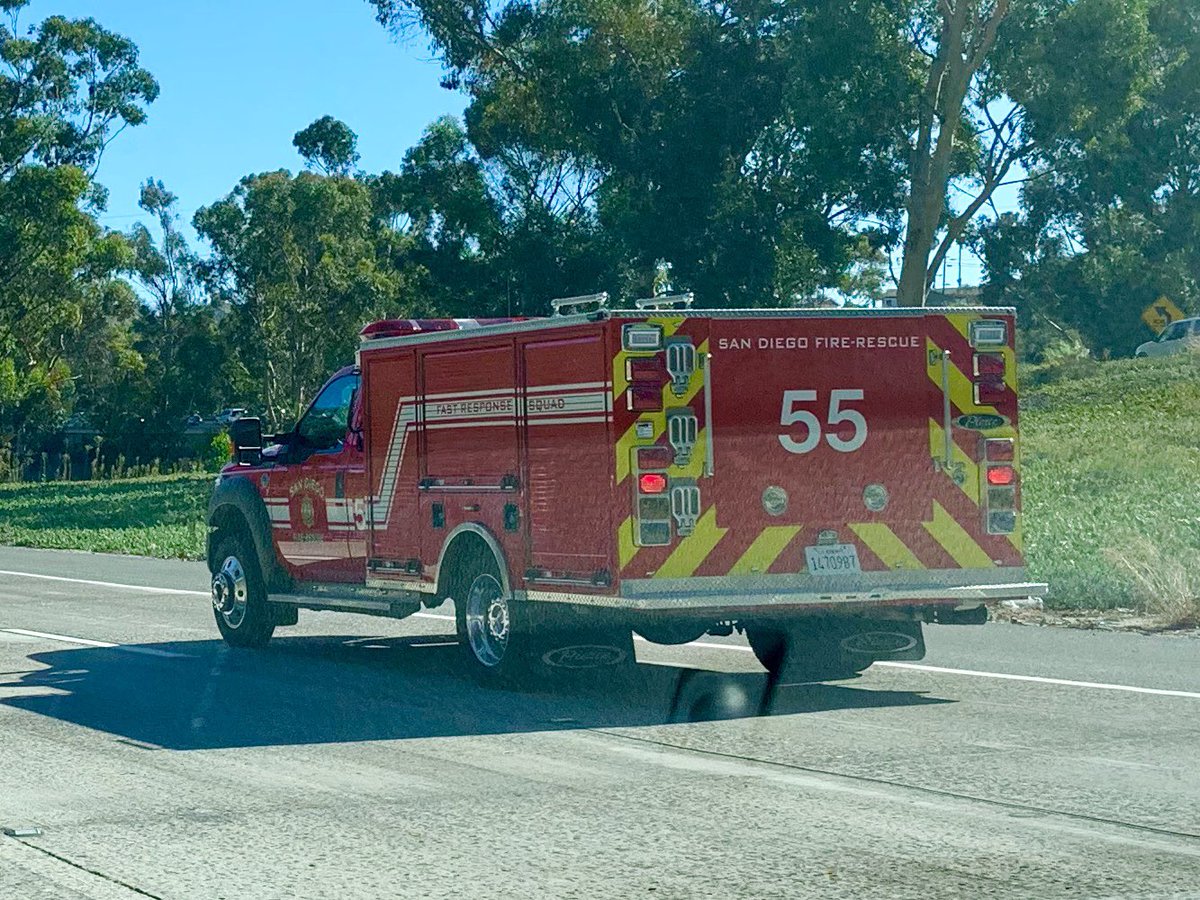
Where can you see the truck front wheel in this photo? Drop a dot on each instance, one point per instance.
(239, 598)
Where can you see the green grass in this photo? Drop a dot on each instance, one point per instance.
(1111, 479)
(1111, 455)
(157, 516)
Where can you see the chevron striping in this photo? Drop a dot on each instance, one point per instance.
(962, 323)
(946, 530)
(765, 549)
(629, 439)
(626, 547)
(971, 484)
(693, 549)
(884, 543)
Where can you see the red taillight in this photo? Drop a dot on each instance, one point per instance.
(656, 457)
(645, 396)
(654, 483)
(1000, 475)
(999, 450)
(989, 392)
(651, 369)
(989, 365)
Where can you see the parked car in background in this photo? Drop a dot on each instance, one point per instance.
(230, 415)
(1181, 335)
(193, 420)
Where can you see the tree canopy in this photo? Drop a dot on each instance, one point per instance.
(757, 153)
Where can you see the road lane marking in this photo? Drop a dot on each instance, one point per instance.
(109, 584)
(87, 642)
(703, 645)
(1038, 679)
(944, 670)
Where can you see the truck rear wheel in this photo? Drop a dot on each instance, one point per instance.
(796, 655)
(510, 642)
(831, 648)
(493, 628)
(239, 598)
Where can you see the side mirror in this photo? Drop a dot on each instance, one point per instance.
(246, 436)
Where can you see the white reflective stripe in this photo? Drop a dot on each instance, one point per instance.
(557, 404)
(337, 512)
(598, 400)
(550, 388)
(471, 409)
(574, 420)
(406, 416)
(457, 395)
(510, 423)
(278, 514)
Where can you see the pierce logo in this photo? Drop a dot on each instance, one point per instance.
(584, 656)
(980, 422)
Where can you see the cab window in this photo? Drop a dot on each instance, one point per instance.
(324, 425)
(1174, 332)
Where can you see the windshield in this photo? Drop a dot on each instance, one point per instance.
(324, 425)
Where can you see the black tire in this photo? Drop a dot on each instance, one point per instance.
(494, 631)
(240, 607)
(802, 653)
(510, 643)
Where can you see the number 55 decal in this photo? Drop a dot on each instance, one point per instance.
(791, 415)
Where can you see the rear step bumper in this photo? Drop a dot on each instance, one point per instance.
(956, 588)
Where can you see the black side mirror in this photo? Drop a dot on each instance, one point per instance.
(246, 436)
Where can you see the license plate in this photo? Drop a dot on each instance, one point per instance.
(832, 559)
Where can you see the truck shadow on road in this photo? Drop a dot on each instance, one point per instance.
(311, 690)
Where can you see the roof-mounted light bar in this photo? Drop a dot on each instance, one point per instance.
(564, 305)
(666, 301)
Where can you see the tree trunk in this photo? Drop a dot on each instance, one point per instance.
(955, 64)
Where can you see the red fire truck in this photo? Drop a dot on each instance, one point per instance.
(824, 481)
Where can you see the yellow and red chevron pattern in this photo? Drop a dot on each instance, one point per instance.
(951, 534)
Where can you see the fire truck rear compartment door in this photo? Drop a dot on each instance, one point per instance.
(568, 459)
(821, 434)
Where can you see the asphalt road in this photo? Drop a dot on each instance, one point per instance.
(353, 758)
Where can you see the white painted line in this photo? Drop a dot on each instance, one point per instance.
(974, 673)
(85, 642)
(109, 584)
(704, 645)
(1038, 679)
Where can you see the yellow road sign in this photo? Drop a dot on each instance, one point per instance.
(1161, 313)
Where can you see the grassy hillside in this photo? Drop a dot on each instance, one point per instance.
(1112, 482)
(1111, 485)
(157, 516)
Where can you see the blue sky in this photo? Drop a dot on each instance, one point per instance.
(240, 77)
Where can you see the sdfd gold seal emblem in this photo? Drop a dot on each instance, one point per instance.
(307, 512)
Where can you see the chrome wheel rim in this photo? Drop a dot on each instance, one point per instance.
(488, 621)
(230, 593)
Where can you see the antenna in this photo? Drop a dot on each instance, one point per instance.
(565, 305)
(664, 301)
